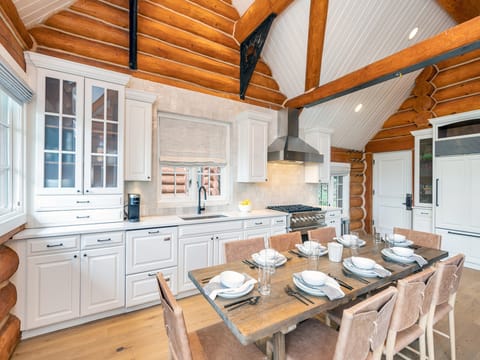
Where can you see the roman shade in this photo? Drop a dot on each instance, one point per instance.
(13, 86)
(189, 141)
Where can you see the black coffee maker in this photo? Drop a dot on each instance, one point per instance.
(133, 207)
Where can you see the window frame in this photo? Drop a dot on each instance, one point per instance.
(343, 170)
(16, 214)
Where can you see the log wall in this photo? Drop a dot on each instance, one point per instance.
(449, 87)
(9, 324)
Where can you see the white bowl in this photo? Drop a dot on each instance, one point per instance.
(269, 254)
(348, 238)
(363, 263)
(403, 251)
(244, 208)
(232, 279)
(399, 238)
(316, 278)
(311, 245)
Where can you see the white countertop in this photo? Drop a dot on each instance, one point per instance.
(144, 223)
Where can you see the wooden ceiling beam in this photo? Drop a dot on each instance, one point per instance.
(461, 10)
(14, 21)
(452, 42)
(255, 15)
(316, 37)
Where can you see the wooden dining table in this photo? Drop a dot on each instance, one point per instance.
(278, 313)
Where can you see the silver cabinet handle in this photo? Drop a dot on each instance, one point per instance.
(54, 245)
(463, 234)
(154, 232)
(83, 201)
(152, 274)
(168, 238)
(259, 223)
(104, 240)
(424, 213)
(83, 217)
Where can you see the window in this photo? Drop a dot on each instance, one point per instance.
(339, 187)
(11, 161)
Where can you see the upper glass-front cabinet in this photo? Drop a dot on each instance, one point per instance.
(423, 168)
(80, 143)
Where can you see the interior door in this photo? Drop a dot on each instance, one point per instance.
(392, 181)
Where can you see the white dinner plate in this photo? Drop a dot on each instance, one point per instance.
(232, 294)
(341, 241)
(304, 250)
(281, 259)
(401, 259)
(312, 291)
(405, 243)
(347, 263)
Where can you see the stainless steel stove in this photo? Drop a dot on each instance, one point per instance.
(302, 217)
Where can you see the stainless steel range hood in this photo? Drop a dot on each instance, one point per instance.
(290, 148)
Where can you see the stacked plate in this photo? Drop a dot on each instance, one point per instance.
(215, 285)
(315, 290)
(311, 247)
(399, 240)
(346, 242)
(390, 254)
(277, 260)
(373, 272)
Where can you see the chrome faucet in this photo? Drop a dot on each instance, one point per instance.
(199, 206)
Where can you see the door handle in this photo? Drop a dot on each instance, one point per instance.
(408, 202)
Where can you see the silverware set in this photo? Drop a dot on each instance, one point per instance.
(297, 253)
(341, 282)
(350, 274)
(297, 295)
(252, 300)
(250, 264)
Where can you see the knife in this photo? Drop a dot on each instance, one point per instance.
(354, 276)
(341, 282)
(238, 302)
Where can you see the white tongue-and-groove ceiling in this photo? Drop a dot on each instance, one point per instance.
(357, 34)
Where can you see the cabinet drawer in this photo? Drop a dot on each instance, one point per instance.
(253, 223)
(53, 244)
(427, 213)
(143, 288)
(333, 214)
(209, 228)
(102, 239)
(279, 221)
(73, 202)
(151, 249)
(77, 217)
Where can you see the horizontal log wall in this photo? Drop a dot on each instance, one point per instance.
(357, 184)
(449, 87)
(183, 44)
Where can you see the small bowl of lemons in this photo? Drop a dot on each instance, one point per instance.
(245, 206)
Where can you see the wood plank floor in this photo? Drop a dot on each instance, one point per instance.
(141, 334)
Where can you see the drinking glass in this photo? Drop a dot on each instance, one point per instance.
(354, 243)
(335, 251)
(265, 273)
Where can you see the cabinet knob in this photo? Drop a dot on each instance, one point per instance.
(87, 190)
(148, 177)
(216, 237)
(84, 255)
(74, 256)
(79, 191)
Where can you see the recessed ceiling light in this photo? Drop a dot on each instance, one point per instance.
(358, 107)
(413, 33)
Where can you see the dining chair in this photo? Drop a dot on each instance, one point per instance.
(213, 342)
(243, 249)
(443, 303)
(284, 242)
(323, 234)
(362, 332)
(409, 318)
(421, 238)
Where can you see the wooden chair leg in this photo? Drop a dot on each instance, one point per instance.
(451, 325)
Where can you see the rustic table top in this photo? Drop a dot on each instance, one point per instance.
(279, 311)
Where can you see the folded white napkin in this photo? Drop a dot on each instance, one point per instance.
(381, 271)
(420, 260)
(330, 291)
(308, 250)
(214, 287)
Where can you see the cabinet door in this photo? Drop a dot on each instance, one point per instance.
(219, 244)
(104, 121)
(318, 173)
(252, 149)
(151, 249)
(138, 140)
(60, 133)
(53, 289)
(422, 220)
(194, 253)
(103, 280)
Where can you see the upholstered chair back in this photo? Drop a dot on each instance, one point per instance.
(283, 242)
(243, 249)
(323, 234)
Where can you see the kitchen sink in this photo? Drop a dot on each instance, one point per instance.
(202, 217)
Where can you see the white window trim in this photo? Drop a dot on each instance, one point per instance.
(17, 216)
(192, 199)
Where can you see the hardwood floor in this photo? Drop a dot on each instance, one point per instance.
(141, 334)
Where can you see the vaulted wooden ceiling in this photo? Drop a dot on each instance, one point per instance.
(312, 46)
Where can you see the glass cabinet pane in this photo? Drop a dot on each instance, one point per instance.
(97, 137)
(68, 134)
(425, 171)
(97, 171)
(112, 170)
(98, 101)
(51, 166)
(112, 138)
(69, 97)
(51, 132)
(52, 95)
(112, 105)
(68, 170)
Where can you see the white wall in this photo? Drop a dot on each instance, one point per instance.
(285, 185)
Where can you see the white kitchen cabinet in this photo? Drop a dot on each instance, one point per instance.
(53, 289)
(423, 166)
(333, 218)
(102, 279)
(78, 142)
(252, 146)
(265, 227)
(149, 251)
(68, 277)
(138, 135)
(320, 140)
(457, 242)
(422, 219)
(203, 245)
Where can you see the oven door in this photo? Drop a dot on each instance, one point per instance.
(304, 230)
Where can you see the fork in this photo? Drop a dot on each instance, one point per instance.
(297, 295)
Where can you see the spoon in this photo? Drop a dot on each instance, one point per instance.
(252, 301)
